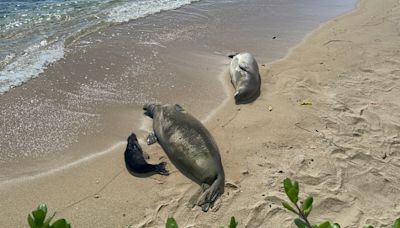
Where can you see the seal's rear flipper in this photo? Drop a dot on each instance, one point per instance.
(193, 200)
(160, 169)
(151, 138)
(207, 199)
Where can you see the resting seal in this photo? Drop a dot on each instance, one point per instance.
(191, 148)
(135, 162)
(245, 77)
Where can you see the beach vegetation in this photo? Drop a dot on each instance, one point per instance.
(301, 208)
(171, 223)
(37, 219)
(304, 208)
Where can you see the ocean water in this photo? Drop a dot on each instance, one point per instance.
(35, 33)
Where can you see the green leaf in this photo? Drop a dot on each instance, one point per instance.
(326, 225)
(290, 208)
(61, 223)
(38, 216)
(296, 190)
(396, 223)
(233, 223)
(300, 223)
(308, 211)
(293, 195)
(307, 203)
(48, 220)
(287, 185)
(31, 222)
(335, 225)
(368, 226)
(171, 223)
(43, 207)
(307, 206)
(291, 189)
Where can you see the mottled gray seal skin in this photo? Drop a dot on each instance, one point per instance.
(191, 148)
(135, 162)
(245, 77)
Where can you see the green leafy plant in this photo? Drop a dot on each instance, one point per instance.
(38, 219)
(171, 223)
(303, 210)
(233, 223)
(396, 223)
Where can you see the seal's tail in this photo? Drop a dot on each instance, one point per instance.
(160, 169)
(210, 194)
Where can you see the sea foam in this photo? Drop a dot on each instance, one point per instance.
(29, 65)
(136, 9)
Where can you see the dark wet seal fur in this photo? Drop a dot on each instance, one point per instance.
(135, 162)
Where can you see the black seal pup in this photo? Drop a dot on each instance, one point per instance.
(191, 148)
(135, 162)
(245, 77)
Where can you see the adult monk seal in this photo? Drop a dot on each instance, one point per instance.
(135, 162)
(191, 148)
(245, 77)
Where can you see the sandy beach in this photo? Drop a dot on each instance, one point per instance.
(343, 148)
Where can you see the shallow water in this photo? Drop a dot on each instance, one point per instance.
(91, 98)
(33, 34)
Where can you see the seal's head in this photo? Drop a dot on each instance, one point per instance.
(132, 139)
(150, 109)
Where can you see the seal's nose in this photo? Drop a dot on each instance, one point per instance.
(132, 138)
(149, 109)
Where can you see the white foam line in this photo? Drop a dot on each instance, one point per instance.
(29, 65)
(65, 167)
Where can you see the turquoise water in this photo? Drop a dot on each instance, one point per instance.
(35, 33)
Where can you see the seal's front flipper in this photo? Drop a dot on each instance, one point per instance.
(151, 139)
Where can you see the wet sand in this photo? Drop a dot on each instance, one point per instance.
(338, 148)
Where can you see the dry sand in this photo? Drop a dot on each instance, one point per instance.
(344, 149)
